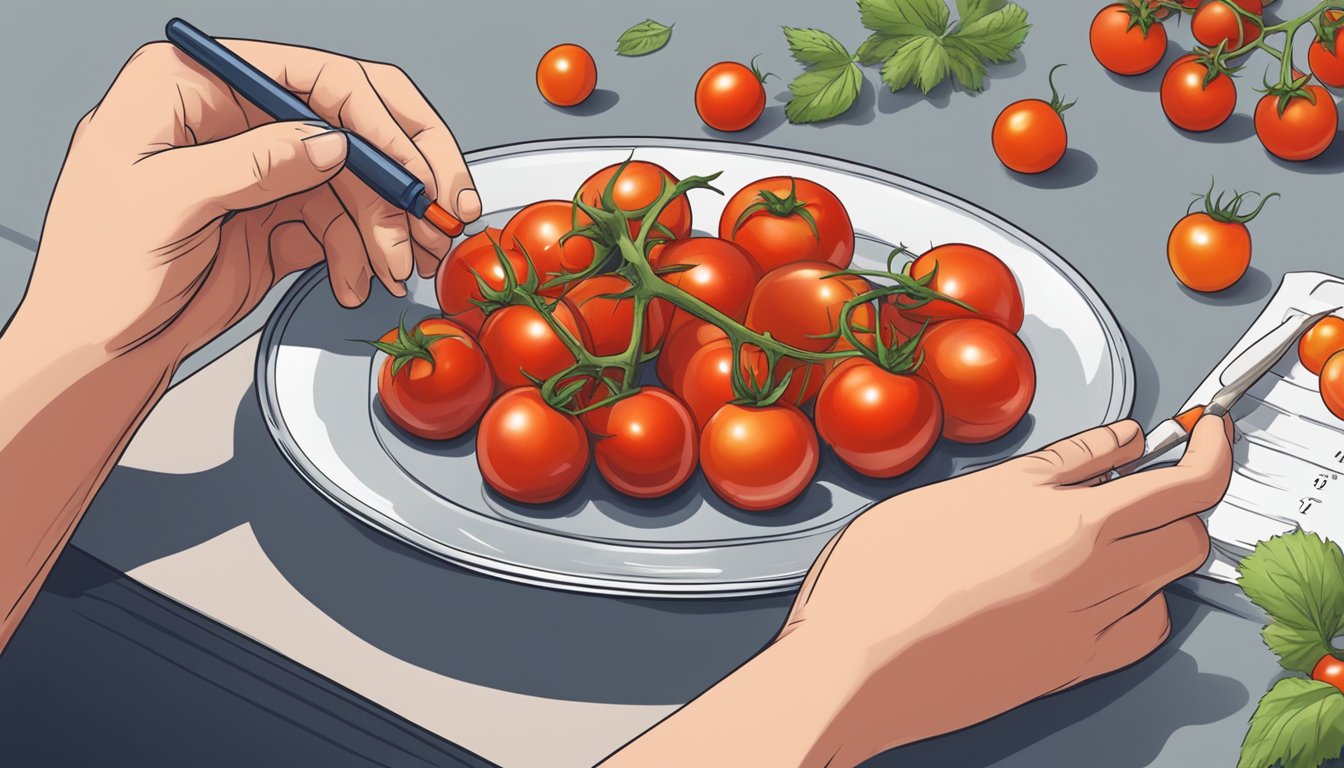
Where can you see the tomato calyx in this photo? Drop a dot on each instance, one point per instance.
(1287, 90)
(757, 72)
(1057, 102)
(1229, 212)
(409, 345)
(1326, 24)
(1214, 61)
(779, 207)
(1142, 14)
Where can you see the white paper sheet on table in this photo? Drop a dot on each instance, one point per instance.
(1289, 451)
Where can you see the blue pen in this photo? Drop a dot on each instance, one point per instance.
(384, 175)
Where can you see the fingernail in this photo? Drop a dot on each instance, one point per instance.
(326, 150)
(468, 205)
(398, 289)
(1126, 431)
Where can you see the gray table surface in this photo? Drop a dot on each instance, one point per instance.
(1107, 209)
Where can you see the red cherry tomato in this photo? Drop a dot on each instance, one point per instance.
(879, 423)
(683, 341)
(1123, 47)
(1323, 340)
(729, 96)
(706, 383)
(639, 185)
(1332, 384)
(800, 304)
(1328, 66)
(611, 321)
(1216, 22)
(1029, 136)
(1329, 670)
(1208, 255)
(535, 232)
(650, 447)
(984, 376)
(759, 458)
(774, 220)
(722, 274)
(1189, 102)
(972, 275)
(528, 451)
(455, 280)
(566, 75)
(520, 343)
(436, 400)
(1303, 130)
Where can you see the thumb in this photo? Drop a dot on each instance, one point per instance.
(257, 167)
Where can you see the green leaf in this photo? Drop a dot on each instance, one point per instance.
(823, 93)
(879, 47)
(645, 37)
(922, 61)
(1298, 578)
(965, 65)
(994, 36)
(1298, 724)
(970, 11)
(815, 49)
(903, 18)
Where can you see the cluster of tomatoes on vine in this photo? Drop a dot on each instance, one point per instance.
(762, 338)
(1296, 119)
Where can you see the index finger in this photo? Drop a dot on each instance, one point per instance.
(1149, 500)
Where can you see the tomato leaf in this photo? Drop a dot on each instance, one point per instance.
(994, 36)
(1298, 724)
(919, 45)
(831, 82)
(1298, 578)
(644, 38)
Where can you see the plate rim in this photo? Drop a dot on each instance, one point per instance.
(1118, 351)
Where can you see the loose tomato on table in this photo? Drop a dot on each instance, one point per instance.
(971, 275)
(721, 274)
(984, 376)
(527, 450)
(566, 75)
(456, 283)
(535, 233)
(1210, 250)
(881, 424)
(1332, 384)
(1197, 93)
(610, 321)
(520, 343)
(649, 445)
(1127, 39)
(759, 458)
(1322, 340)
(782, 219)
(638, 185)
(1297, 126)
(1217, 22)
(729, 96)
(799, 304)
(435, 382)
(1029, 135)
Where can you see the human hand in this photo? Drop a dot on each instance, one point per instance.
(956, 602)
(138, 236)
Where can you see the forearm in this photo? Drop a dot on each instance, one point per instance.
(66, 413)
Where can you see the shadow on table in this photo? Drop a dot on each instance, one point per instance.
(1144, 705)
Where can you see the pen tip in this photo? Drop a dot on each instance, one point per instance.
(445, 221)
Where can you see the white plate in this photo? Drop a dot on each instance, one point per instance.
(317, 392)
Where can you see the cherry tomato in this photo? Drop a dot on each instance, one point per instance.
(611, 321)
(1029, 135)
(1332, 384)
(528, 451)
(1329, 670)
(706, 383)
(972, 275)
(1323, 340)
(435, 400)
(984, 376)
(1123, 47)
(1191, 104)
(879, 423)
(722, 274)
(1216, 22)
(759, 458)
(799, 305)
(650, 447)
(683, 341)
(774, 218)
(1328, 66)
(1208, 255)
(566, 75)
(729, 96)
(535, 233)
(640, 184)
(520, 343)
(455, 280)
(1303, 131)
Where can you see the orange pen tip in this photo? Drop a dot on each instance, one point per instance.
(445, 221)
(1188, 419)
